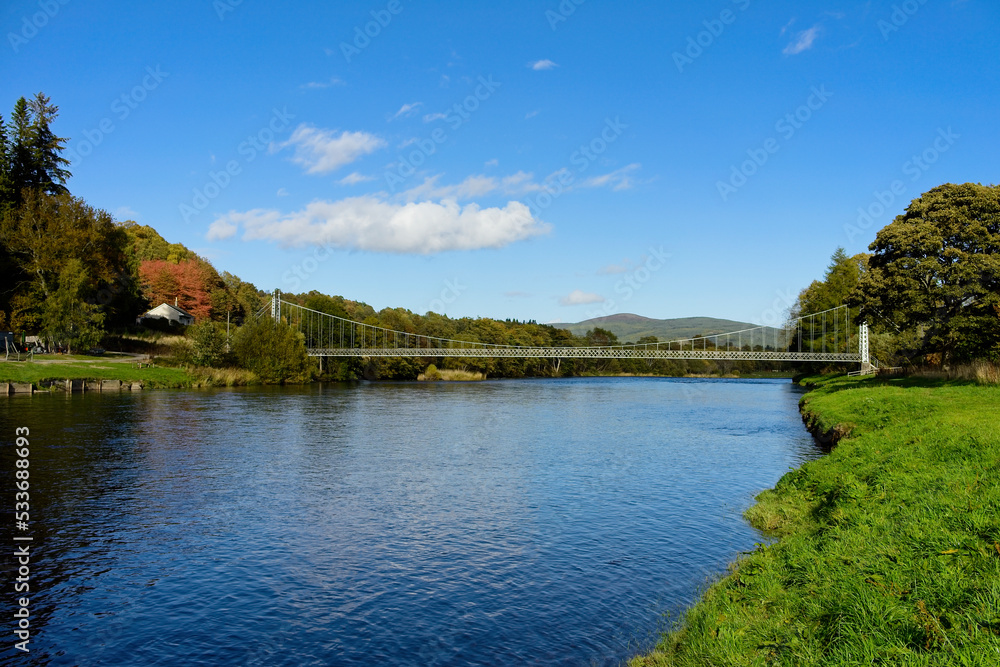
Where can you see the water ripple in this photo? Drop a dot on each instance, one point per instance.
(527, 522)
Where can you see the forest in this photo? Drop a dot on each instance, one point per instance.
(73, 275)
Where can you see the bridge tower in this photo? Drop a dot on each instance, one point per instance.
(276, 306)
(866, 362)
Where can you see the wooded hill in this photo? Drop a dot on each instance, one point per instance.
(633, 328)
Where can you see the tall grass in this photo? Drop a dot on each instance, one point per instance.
(981, 372)
(221, 377)
(435, 374)
(889, 550)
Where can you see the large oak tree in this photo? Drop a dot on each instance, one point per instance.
(936, 270)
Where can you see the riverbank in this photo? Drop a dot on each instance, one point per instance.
(889, 549)
(125, 369)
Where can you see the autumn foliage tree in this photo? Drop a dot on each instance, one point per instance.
(190, 282)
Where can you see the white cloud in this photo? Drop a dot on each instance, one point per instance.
(516, 184)
(321, 151)
(521, 181)
(614, 269)
(282, 192)
(787, 27)
(315, 85)
(491, 163)
(373, 224)
(532, 114)
(407, 110)
(517, 295)
(221, 228)
(431, 117)
(125, 213)
(354, 178)
(580, 298)
(542, 64)
(616, 180)
(803, 41)
(471, 187)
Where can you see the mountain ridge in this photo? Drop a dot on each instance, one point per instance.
(630, 327)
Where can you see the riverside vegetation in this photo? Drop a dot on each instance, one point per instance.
(888, 549)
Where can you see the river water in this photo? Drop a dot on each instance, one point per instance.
(535, 522)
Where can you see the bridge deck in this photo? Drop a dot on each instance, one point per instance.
(586, 353)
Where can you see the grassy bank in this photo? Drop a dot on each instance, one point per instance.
(150, 377)
(890, 545)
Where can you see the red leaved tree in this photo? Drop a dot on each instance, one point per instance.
(189, 282)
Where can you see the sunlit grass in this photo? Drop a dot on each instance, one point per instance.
(434, 374)
(221, 377)
(78, 370)
(890, 545)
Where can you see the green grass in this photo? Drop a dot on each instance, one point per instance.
(890, 545)
(77, 370)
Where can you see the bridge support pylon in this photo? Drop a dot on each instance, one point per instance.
(863, 349)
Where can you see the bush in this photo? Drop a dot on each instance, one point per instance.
(273, 351)
(208, 341)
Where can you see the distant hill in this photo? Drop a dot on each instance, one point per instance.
(630, 328)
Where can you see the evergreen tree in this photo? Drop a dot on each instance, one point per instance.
(47, 165)
(19, 153)
(6, 184)
(30, 152)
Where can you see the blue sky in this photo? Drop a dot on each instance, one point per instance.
(534, 160)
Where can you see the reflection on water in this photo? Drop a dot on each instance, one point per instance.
(509, 522)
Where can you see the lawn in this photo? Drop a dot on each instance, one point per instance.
(35, 372)
(889, 550)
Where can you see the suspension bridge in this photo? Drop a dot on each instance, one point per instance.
(826, 336)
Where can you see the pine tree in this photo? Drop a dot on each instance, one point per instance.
(6, 185)
(32, 152)
(19, 152)
(47, 164)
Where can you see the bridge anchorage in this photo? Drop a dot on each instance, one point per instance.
(826, 336)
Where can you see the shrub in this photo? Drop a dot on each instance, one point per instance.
(273, 351)
(208, 341)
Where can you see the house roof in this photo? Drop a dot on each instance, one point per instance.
(176, 308)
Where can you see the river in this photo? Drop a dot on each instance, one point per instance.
(541, 522)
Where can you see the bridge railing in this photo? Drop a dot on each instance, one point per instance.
(827, 335)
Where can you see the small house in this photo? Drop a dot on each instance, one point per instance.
(173, 314)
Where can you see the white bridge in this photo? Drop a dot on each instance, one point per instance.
(826, 336)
